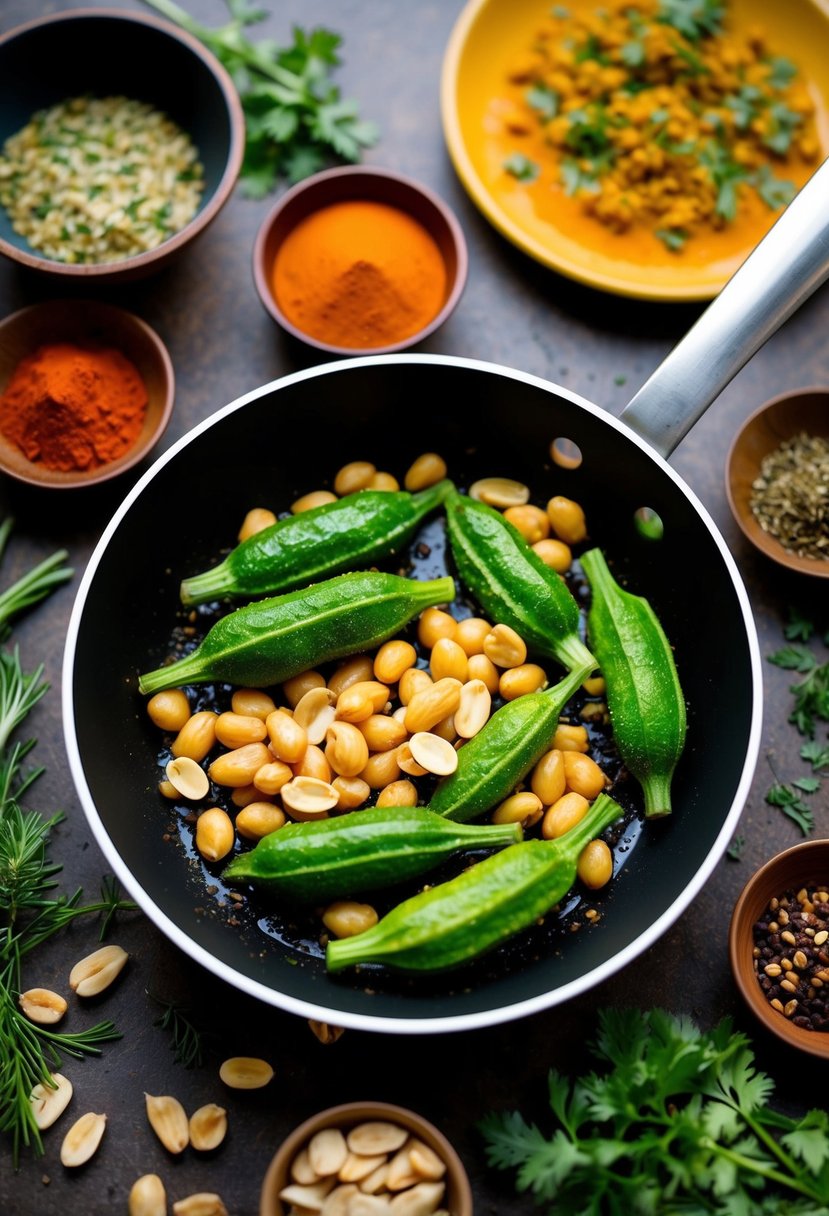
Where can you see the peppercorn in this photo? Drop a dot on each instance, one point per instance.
(791, 956)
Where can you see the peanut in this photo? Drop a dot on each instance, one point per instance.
(97, 971)
(245, 1072)
(82, 1139)
(43, 1006)
(50, 1101)
(168, 1121)
(147, 1197)
(208, 1127)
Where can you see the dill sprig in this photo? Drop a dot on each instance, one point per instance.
(187, 1040)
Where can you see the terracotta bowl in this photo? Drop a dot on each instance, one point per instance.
(371, 184)
(78, 321)
(457, 1198)
(779, 419)
(107, 52)
(800, 866)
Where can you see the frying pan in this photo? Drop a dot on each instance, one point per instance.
(289, 436)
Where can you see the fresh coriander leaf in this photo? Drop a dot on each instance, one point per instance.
(735, 850)
(591, 49)
(798, 627)
(632, 54)
(809, 1141)
(543, 100)
(781, 72)
(574, 178)
(776, 192)
(693, 18)
(521, 167)
(301, 160)
(337, 125)
(673, 238)
(783, 123)
(793, 658)
(280, 123)
(809, 785)
(816, 754)
(744, 105)
(787, 799)
(245, 13)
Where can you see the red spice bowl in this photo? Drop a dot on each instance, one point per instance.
(804, 868)
(105, 405)
(360, 260)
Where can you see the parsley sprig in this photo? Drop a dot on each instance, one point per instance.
(296, 120)
(676, 1119)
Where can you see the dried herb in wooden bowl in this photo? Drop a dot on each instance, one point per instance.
(790, 496)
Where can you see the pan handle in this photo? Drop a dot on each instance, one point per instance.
(783, 270)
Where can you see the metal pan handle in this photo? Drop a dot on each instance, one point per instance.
(783, 270)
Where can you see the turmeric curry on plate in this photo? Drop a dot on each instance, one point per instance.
(644, 147)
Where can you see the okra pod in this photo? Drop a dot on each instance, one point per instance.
(644, 696)
(353, 532)
(455, 921)
(491, 763)
(511, 582)
(273, 639)
(360, 851)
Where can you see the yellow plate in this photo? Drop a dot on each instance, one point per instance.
(489, 37)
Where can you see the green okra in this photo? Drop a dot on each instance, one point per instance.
(511, 582)
(456, 921)
(360, 851)
(644, 696)
(491, 763)
(273, 639)
(348, 534)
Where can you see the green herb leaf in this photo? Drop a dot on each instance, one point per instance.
(776, 192)
(781, 72)
(794, 658)
(543, 100)
(816, 754)
(798, 627)
(521, 167)
(673, 238)
(791, 804)
(693, 18)
(784, 122)
(735, 850)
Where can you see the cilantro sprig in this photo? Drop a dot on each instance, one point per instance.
(674, 1119)
(296, 120)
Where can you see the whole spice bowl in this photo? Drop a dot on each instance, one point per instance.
(362, 1149)
(358, 260)
(777, 480)
(86, 392)
(778, 939)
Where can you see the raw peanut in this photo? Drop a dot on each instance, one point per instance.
(419, 1200)
(97, 971)
(474, 708)
(307, 1197)
(351, 672)
(359, 701)
(401, 1171)
(445, 729)
(204, 1203)
(169, 1121)
(345, 918)
(376, 1136)
(571, 738)
(483, 669)
(583, 775)
(500, 491)
(564, 815)
(338, 1202)
(531, 522)
(208, 1127)
(309, 798)
(448, 659)
(288, 739)
(197, 737)
(256, 519)
(301, 1170)
(382, 732)
(383, 481)
(397, 793)
(351, 791)
(353, 476)
(427, 470)
(412, 681)
(167, 790)
(214, 834)
(595, 865)
(245, 1072)
(327, 1151)
(169, 710)
(434, 623)
(240, 766)
(524, 807)
(313, 764)
(315, 712)
(432, 704)
(259, 819)
(594, 686)
(345, 748)
(252, 703)
(296, 688)
(425, 1161)
(504, 647)
(436, 755)
(555, 554)
(520, 680)
(315, 498)
(325, 1032)
(357, 1167)
(235, 730)
(187, 778)
(567, 519)
(382, 769)
(243, 795)
(48, 1103)
(547, 780)
(82, 1139)
(407, 762)
(147, 1197)
(271, 777)
(470, 635)
(392, 659)
(43, 1006)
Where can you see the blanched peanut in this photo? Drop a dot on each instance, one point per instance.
(314, 712)
(382, 732)
(353, 476)
(235, 730)
(504, 647)
(518, 681)
(434, 623)
(50, 1101)
(401, 1173)
(43, 1006)
(288, 738)
(197, 737)
(351, 672)
(168, 1120)
(240, 766)
(309, 798)
(96, 972)
(583, 775)
(214, 834)
(474, 709)
(570, 738)
(448, 659)
(531, 522)
(314, 498)
(376, 1136)
(547, 779)
(346, 918)
(563, 815)
(168, 790)
(425, 1160)
(430, 705)
(256, 520)
(82, 1139)
(245, 1072)
(147, 1197)
(169, 710)
(361, 700)
(470, 634)
(414, 680)
(382, 768)
(313, 764)
(427, 470)
(352, 791)
(259, 819)
(407, 762)
(327, 1152)
(187, 778)
(398, 793)
(358, 1166)
(445, 729)
(483, 669)
(270, 778)
(345, 749)
(555, 554)
(594, 686)
(208, 1127)
(435, 754)
(392, 659)
(383, 481)
(296, 688)
(252, 703)
(567, 519)
(595, 865)
(202, 1203)
(243, 795)
(500, 491)
(524, 808)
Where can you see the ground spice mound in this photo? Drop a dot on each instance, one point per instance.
(790, 497)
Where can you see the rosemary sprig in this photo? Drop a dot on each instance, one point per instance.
(33, 586)
(187, 1040)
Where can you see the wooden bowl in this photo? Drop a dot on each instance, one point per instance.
(458, 1194)
(779, 419)
(112, 52)
(80, 321)
(803, 864)
(370, 184)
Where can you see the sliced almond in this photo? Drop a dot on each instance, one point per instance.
(169, 1121)
(309, 797)
(311, 1197)
(147, 1197)
(82, 1139)
(338, 1203)
(43, 1006)
(327, 1151)
(97, 971)
(419, 1200)
(208, 1127)
(500, 491)
(401, 1171)
(48, 1102)
(315, 712)
(356, 1167)
(376, 1180)
(474, 710)
(188, 777)
(301, 1169)
(204, 1203)
(436, 755)
(425, 1161)
(376, 1136)
(245, 1072)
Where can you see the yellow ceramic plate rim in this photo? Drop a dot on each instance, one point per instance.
(696, 284)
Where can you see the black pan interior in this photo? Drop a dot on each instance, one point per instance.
(292, 438)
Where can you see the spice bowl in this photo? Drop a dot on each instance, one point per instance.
(801, 869)
(360, 260)
(95, 326)
(395, 1132)
(778, 421)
